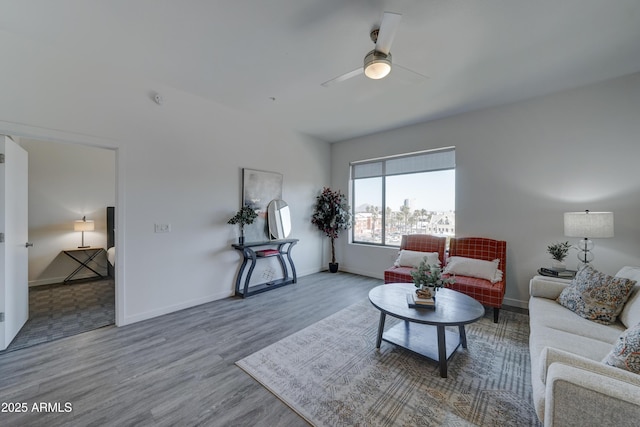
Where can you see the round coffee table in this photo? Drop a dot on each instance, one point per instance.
(424, 327)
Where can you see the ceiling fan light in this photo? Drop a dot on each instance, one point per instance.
(377, 65)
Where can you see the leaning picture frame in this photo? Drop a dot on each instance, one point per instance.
(258, 189)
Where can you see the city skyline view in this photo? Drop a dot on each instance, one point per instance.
(434, 191)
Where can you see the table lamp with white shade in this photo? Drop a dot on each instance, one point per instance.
(83, 225)
(588, 225)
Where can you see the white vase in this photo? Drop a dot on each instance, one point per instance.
(558, 265)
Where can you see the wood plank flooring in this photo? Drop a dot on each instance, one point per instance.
(177, 369)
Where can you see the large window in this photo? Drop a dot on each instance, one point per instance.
(410, 194)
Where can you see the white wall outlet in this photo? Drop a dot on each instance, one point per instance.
(162, 228)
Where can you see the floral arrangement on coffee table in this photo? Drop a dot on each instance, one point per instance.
(427, 276)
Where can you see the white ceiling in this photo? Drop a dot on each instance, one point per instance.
(243, 54)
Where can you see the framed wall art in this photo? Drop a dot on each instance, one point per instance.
(258, 189)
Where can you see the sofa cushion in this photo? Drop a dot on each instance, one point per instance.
(596, 296)
(548, 317)
(408, 258)
(630, 314)
(483, 291)
(626, 353)
(472, 267)
(547, 287)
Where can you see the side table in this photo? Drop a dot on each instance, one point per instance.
(564, 274)
(83, 256)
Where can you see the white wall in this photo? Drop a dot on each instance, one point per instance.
(179, 163)
(519, 168)
(66, 182)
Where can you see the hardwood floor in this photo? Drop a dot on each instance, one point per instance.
(177, 369)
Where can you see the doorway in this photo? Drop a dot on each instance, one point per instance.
(68, 182)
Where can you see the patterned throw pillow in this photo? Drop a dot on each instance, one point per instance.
(626, 353)
(596, 296)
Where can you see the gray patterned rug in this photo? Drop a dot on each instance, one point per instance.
(62, 310)
(331, 374)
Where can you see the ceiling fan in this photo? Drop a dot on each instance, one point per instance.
(377, 63)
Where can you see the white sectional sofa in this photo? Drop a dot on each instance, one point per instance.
(571, 384)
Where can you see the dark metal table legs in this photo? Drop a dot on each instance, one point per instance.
(380, 329)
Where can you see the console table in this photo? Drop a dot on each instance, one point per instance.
(251, 256)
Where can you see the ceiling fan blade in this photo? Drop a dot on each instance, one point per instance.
(387, 31)
(343, 77)
(411, 76)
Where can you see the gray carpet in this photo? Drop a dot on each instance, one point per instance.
(331, 374)
(62, 310)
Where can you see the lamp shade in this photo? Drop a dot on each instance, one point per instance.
(84, 225)
(588, 224)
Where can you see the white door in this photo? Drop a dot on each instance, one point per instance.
(14, 288)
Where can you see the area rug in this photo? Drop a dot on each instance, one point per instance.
(331, 374)
(62, 310)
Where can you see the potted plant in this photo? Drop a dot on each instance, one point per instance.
(245, 216)
(427, 276)
(331, 215)
(558, 252)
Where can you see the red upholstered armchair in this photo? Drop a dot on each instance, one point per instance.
(484, 291)
(418, 243)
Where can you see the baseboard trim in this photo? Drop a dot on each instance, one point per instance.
(365, 273)
(57, 280)
(309, 271)
(516, 303)
(172, 308)
(188, 304)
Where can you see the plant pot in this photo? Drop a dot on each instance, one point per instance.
(333, 267)
(558, 266)
(241, 240)
(423, 288)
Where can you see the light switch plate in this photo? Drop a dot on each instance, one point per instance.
(162, 228)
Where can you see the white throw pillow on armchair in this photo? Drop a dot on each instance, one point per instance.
(408, 258)
(472, 267)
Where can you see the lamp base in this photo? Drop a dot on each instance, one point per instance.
(585, 256)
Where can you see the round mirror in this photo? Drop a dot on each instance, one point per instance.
(279, 219)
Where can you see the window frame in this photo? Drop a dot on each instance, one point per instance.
(383, 175)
